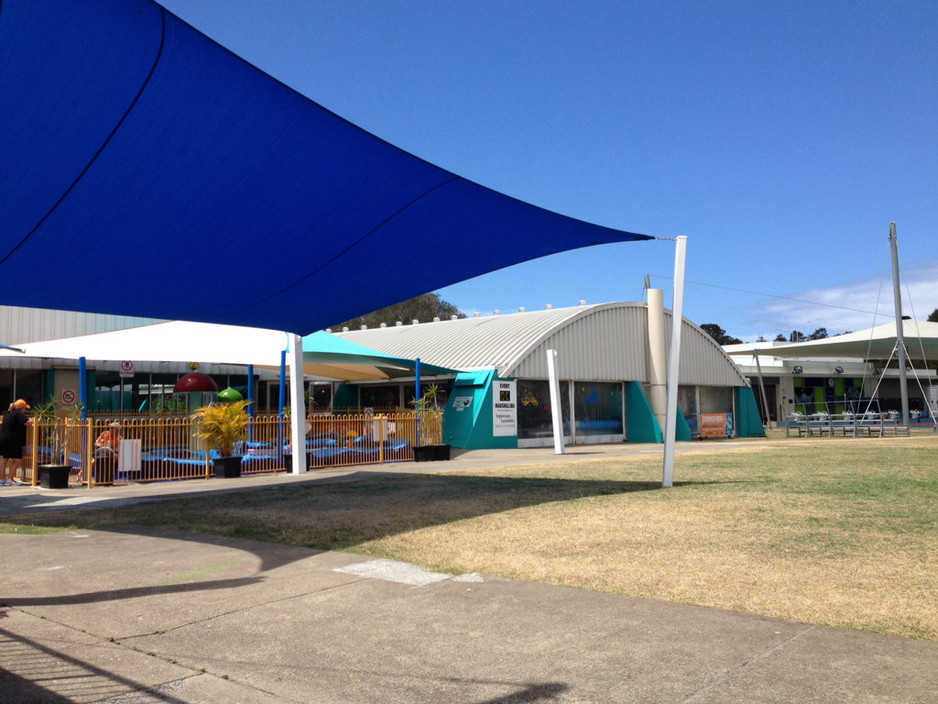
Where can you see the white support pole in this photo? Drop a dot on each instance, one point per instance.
(555, 407)
(297, 406)
(674, 362)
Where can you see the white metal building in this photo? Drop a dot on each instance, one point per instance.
(606, 359)
(843, 372)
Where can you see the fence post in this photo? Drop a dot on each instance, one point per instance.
(87, 452)
(381, 427)
(34, 439)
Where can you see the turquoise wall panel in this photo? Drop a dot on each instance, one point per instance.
(641, 424)
(470, 426)
(749, 422)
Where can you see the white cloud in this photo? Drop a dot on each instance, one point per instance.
(851, 306)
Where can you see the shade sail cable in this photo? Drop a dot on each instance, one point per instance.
(348, 249)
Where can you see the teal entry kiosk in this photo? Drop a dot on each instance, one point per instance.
(468, 421)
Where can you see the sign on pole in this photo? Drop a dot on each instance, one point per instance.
(127, 369)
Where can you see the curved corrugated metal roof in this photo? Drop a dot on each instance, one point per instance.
(495, 341)
(600, 342)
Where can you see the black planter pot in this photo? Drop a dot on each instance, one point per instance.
(431, 453)
(54, 476)
(227, 467)
(424, 453)
(288, 463)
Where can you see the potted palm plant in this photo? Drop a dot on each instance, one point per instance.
(430, 444)
(54, 437)
(222, 425)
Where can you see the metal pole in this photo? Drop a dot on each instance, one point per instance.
(250, 403)
(417, 401)
(283, 381)
(250, 389)
(298, 407)
(555, 406)
(674, 362)
(283, 402)
(765, 401)
(900, 341)
(83, 386)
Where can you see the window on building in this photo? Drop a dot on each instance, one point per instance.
(598, 408)
(381, 398)
(534, 414)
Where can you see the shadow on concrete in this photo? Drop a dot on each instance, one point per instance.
(132, 593)
(26, 662)
(532, 693)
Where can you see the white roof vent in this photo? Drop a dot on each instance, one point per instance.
(345, 329)
(415, 321)
(497, 312)
(329, 330)
(582, 302)
(384, 325)
(398, 324)
(522, 309)
(549, 307)
(477, 314)
(436, 319)
(364, 327)
(454, 317)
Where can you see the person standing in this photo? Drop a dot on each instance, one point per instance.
(13, 440)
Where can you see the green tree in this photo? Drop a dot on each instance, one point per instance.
(719, 334)
(933, 318)
(423, 308)
(819, 334)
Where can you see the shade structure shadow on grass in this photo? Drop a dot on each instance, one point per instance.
(338, 516)
(827, 532)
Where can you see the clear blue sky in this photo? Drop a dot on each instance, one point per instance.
(780, 138)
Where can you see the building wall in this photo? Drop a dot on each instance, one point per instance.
(607, 345)
(20, 325)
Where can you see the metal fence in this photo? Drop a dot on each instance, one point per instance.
(103, 450)
(846, 424)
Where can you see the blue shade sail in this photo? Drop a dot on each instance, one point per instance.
(148, 171)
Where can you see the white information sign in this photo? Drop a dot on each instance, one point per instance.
(505, 409)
